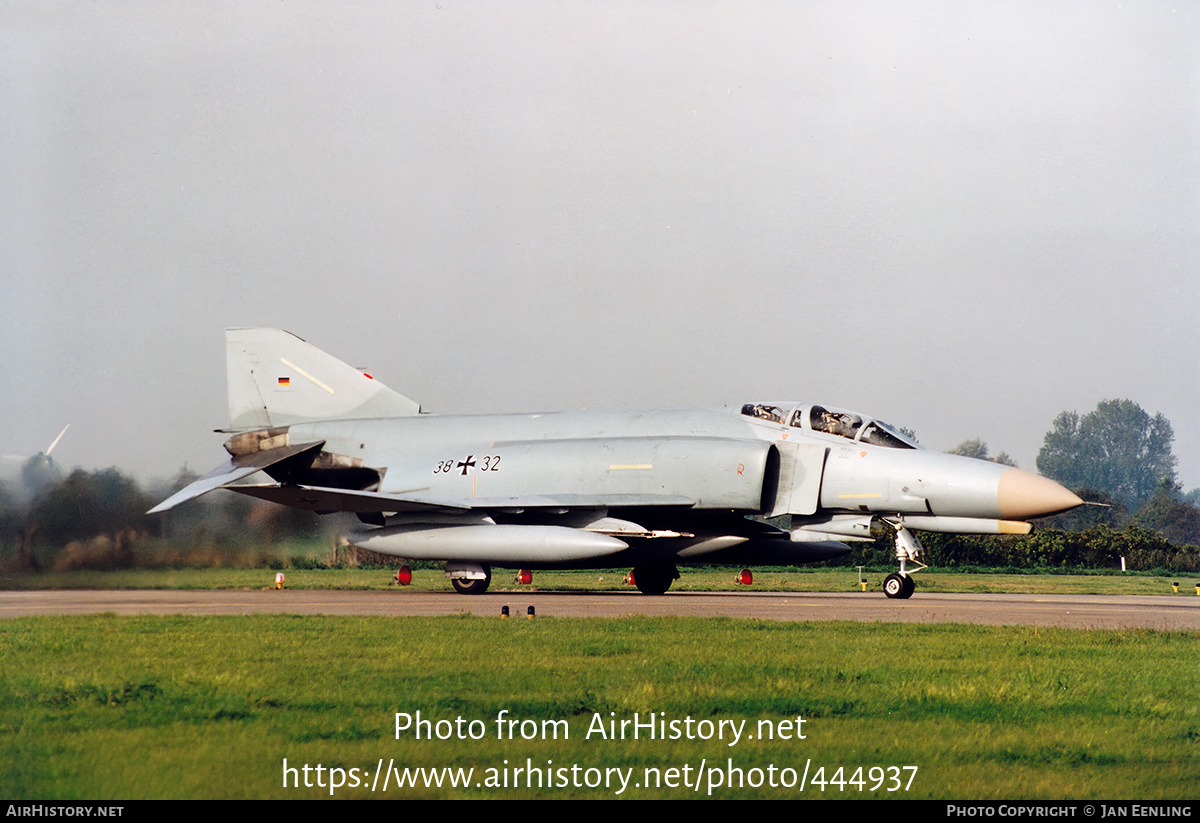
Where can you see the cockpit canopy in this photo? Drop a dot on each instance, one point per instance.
(825, 420)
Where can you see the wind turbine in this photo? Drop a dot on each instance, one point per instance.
(38, 469)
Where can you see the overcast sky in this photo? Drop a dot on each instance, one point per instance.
(961, 217)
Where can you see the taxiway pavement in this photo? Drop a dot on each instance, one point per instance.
(1172, 613)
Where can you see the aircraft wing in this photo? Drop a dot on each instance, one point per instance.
(320, 498)
(325, 499)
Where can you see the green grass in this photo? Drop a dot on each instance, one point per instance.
(702, 579)
(209, 707)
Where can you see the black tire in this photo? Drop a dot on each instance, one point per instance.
(464, 586)
(910, 586)
(654, 579)
(895, 585)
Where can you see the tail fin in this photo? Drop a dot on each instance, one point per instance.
(276, 379)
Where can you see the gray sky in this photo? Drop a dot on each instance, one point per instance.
(962, 217)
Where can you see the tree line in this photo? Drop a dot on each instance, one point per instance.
(56, 520)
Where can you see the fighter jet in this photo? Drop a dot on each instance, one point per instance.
(651, 490)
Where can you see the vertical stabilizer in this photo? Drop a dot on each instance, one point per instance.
(276, 379)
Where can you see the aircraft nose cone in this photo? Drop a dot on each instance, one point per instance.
(1021, 495)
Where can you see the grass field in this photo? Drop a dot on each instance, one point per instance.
(210, 707)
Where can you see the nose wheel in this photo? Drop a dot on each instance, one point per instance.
(899, 586)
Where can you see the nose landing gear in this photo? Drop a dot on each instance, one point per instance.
(908, 550)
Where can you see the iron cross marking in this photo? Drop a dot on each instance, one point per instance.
(469, 463)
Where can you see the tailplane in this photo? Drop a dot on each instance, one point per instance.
(277, 379)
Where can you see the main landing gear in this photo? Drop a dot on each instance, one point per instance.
(653, 579)
(908, 550)
(469, 578)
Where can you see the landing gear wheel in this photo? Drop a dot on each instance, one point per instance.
(899, 586)
(893, 586)
(654, 579)
(464, 586)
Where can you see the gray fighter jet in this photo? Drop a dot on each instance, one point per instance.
(649, 490)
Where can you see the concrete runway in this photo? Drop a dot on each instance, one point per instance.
(1173, 613)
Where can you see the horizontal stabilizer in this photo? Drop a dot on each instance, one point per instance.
(232, 471)
(213, 480)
